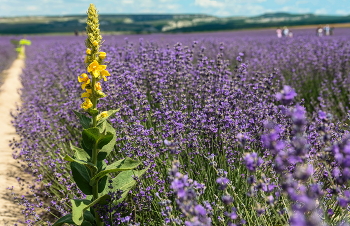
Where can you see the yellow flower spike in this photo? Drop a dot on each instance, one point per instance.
(84, 78)
(86, 104)
(86, 94)
(98, 86)
(88, 51)
(102, 55)
(104, 73)
(95, 68)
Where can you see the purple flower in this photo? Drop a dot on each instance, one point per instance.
(286, 96)
(223, 183)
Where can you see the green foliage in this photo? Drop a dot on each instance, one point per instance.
(68, 219)
(110, 113)
(80, 206)
(118, 166)
(85, 121)
(93, 138)
(108, 147)
(81, 177)
(124, 182)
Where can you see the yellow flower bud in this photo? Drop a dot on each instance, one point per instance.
(104, 114)
(95, 43)
(88, 51)
(102, 55)
(98, 86)
(86, 94)
(86, 104)
(100, 94)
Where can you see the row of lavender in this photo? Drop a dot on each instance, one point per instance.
(7, 53)
(206, 113)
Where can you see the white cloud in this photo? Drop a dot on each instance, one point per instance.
(281, 1)
(321, 11)
(209, 3)
(222, 13)
(32, 8)
(128, 2)
(342, 12)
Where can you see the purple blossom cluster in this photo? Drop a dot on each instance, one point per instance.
(7, 53)
(236, 111)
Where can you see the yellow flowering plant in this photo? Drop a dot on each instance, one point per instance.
(20, 46)
(89, 170)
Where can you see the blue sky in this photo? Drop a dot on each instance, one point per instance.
(221, 8)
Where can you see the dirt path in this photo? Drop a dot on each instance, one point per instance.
(9, 168)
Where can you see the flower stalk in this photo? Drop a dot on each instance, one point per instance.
(89, 169)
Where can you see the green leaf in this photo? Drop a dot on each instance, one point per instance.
(86, 223)
(89, 165)
(79, 153)
(85, 121)
(89, 219)
(87, 150)
(102, 184)
(92, 136)
(110, 113)
(79, 207)
(92, 112)
(121, 165)
(81, 177)
(65, 219)
(124, 181)
(108, 148)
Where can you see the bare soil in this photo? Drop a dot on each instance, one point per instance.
(9, 167)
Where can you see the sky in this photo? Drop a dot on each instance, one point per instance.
(220, 8)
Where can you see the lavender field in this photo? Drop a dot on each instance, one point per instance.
(236, 128)
(7, 54)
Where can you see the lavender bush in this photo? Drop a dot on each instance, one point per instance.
(7, 54)
(234, 130)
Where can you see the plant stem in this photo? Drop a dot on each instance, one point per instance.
(95, 152)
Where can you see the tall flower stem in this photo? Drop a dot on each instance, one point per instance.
(94, 59)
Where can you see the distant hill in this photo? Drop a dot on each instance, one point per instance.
(157, 23)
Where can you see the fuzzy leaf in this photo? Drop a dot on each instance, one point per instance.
(65, 219)
(121, 165)
(108, 148)
(79, 207)
(124, 181)
(87, 150)
(85, 121)
(86, 223)
(102, 184)
(88, 219)
(81, 177)
(92, 136)
(87, 164)
(79, 153)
